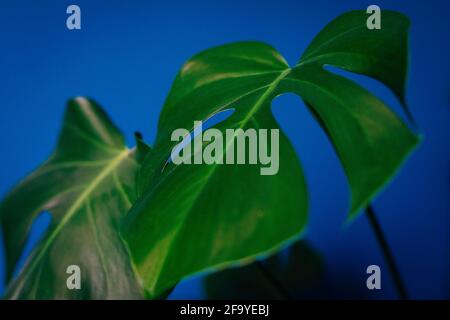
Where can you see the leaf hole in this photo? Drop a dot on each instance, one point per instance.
(210, 122)
(37, 230)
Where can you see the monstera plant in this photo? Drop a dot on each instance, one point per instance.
(136, 223)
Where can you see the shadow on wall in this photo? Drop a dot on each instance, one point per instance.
(296, 273)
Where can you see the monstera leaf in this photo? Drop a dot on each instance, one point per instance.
(194, 217)
(88, 184)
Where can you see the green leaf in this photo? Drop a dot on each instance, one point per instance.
(299, 272)
(193, 217)
(87, 185)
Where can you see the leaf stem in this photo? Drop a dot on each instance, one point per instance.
(389, 258)
(274, 281)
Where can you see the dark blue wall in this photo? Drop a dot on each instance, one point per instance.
(127, 55)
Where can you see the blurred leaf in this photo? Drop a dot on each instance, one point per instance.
(194, 217)
(300, 272)
(87, 184)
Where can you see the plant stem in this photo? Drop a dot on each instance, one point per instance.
(282, 291)
(387, 254)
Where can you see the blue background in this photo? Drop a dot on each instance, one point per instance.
(126, 57)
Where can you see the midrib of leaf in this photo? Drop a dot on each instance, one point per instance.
(270, 88)
(96, 123)
(261, 100)
(115, 162)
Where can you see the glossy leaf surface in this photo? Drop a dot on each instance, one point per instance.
(88, 185)
(193, 217)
